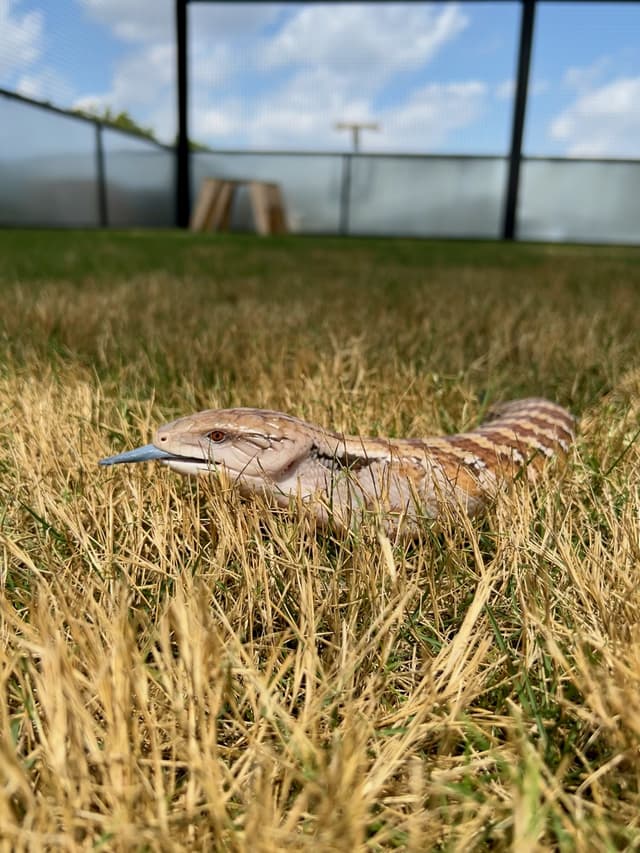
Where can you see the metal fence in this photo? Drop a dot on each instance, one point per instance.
(59, 169)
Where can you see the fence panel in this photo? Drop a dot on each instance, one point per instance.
(139, 181)
(49, 177)
(48, 168)
(583, 201)
(434, 196)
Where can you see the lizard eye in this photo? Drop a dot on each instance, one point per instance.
(217, 435)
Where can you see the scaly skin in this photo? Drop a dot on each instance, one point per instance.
(340, 477)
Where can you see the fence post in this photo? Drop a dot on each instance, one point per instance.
(101, 182)
(183, 178)
(345, 195)
(519, 108)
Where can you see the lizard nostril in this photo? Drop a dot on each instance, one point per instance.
(163, 438)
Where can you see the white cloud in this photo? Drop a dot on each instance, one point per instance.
(20, 37)
(142, 76)
(505, 90)
(231, 20)
(215, 124)
(153, 20)
(426, 119)
(133, 20)
(364, 40)
(300, 112)
(46, 84)
(303, 114)
(332, 64)
(603, 122)
(585, 77)
(213, 63)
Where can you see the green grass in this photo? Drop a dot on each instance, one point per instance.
(76, 255)
(184, 669)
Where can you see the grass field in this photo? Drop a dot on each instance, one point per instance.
(181, 669)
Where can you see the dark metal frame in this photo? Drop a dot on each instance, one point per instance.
(183, 188)
(527, 21)
(103, 210)
(183, 175)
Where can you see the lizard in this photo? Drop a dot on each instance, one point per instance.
(340, 478)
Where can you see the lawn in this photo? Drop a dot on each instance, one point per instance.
(184, 669)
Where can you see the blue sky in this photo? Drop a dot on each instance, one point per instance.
(437, 78)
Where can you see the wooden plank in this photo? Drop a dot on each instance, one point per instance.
(220, 214)
(206, 197)
(277, 214)
(259, 206)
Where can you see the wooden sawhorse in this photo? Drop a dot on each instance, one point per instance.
(213, 207)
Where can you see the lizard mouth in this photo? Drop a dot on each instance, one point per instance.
(151, 453)
(190, 465)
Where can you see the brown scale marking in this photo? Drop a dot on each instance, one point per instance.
(528, 405)
(479, 437)
(528, 438)
(456, 473)
(465, 479)
(427, 445)
(558, 420)
(555, 416)
(495, 439)
(530, 426)
(566, 421)
(424, 446)
(546, 406)
(509, 411)
(541, 435)
(550, 426)
(469, 446)
(533, 439)
(513, 423)
(364, 449)
(537, 411)
(533, 403)
(538, 418)
(382, 443)
(441, 456)
(453, 467)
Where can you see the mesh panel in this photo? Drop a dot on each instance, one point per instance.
(140, 182)
(47, 168)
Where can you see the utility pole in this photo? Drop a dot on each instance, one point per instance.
(355, 127)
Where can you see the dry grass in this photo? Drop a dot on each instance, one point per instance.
(183, 670)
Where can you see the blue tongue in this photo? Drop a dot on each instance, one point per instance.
(141, 454)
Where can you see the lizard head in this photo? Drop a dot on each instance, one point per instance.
(249, 445)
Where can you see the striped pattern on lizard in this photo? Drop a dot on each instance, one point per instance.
(340, 478)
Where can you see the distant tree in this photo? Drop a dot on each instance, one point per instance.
(198, 146)
(121, 120)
